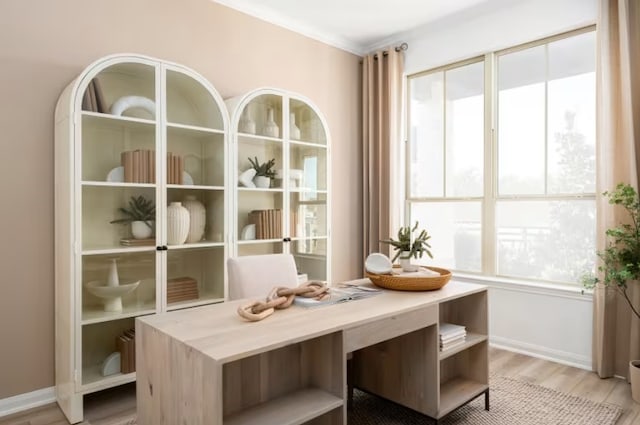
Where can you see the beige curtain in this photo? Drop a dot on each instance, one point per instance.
(616, 331)
(381, 146)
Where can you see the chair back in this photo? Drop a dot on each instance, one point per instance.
(253, 276)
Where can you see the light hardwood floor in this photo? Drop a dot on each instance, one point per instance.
(112, 406)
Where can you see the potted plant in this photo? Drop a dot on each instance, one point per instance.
(620, 262)
(141, 214)
(408, 246)
(264, 172)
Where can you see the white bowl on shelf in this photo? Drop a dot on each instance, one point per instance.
(111, 295)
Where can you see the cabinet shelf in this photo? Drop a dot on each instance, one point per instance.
(203, 244)
(94, 381)
(90, 183)
(95, 314)
(258, 138)
(456, 392)
(107, 119)
(472, 339)
(194, 187)
(194, 129)
(203, 300)
(291, 409)
(307, 143)
(257, 189)
(116, 250)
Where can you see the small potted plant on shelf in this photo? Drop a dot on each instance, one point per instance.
(408, 246)
(264, 172)
(141, 214)
(620, 262)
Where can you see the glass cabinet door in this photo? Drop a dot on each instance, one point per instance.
(195, 171)
(307, 183)
(260, 164)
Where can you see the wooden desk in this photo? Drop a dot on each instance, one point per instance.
(207, 366)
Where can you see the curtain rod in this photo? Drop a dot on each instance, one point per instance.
(402, 47)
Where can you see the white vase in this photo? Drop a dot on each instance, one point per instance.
(271, 129)
(113, 279)
(294, 131)
(262, 182)
(246, 124)
(177, 224)
(197, 218)
(141, 230)
(634, 379)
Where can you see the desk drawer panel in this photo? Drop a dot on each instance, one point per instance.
(390, 327)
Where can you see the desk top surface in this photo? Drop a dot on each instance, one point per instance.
(220, 333)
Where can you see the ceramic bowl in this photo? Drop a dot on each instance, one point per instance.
(378, 263)
(100, 290)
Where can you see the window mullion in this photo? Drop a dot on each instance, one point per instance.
(444, 133)
(490, 167)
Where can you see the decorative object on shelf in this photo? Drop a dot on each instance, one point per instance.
(126, 345)
(268, 223)
(248, 232)
(125, 103)
(294, 131)
(407, 247)
(264, 172)
(177, 224)
(246, 124)
(423, 280)
(93, 99)
(137, 242)
(175, 169)
(111, 365)
(139, 166)
(112, 292)
(619, 262)
(140, 210)
(197, 218)
(378, 263)
(271, 129)
(246, 178)
(295, 176)
(182, 289)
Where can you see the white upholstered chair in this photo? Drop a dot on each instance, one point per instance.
(253, 276)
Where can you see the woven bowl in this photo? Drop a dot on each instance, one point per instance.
(402, 283)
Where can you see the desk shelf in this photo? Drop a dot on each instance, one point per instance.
(458, 391)
(472, 339)
(291, 409)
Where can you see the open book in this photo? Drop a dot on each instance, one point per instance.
(338, 294)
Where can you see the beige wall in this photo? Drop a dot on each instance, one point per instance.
(44, 44)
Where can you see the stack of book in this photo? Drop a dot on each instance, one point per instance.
(139, 166)
(451, 336)
(137, 242)
(126, 345)
(182, 289)
(268, 223)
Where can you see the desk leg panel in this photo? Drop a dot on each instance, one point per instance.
(175, 384)
(403, 369)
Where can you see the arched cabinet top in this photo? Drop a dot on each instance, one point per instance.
(136, 86)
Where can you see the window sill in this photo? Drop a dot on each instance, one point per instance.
(532, 287)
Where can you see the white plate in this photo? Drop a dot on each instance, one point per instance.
(117, 176)
(378, 263)
(248, 232)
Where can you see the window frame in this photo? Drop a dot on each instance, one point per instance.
(491, 196)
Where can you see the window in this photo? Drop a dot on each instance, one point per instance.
(501, 160)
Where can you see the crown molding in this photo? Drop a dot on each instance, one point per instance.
(269, 15)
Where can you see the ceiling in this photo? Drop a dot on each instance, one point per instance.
(358, 26)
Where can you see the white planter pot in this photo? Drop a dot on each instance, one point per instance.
(405, 263)
(262, 182)
(140, 230)
(197, 218)
(177, 224)
(634, 379)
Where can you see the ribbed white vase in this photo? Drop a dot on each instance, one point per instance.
(177, 224)
(197, 218)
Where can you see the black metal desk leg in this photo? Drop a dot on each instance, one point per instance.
(486, 400)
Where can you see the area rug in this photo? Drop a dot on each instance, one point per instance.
(513, 402)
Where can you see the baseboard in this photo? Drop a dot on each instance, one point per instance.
(20, 402)
(558, 356)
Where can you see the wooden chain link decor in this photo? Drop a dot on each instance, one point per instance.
(282, 297)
